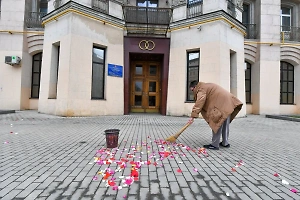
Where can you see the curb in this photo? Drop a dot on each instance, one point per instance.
(6, 111)
(283, 117)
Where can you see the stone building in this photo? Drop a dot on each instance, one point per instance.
(115, 57)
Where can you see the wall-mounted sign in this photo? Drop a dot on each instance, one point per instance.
(115, 70)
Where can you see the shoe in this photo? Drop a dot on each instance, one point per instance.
(226, 146)
(209, 146)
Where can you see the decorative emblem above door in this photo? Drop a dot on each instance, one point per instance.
(147, 45)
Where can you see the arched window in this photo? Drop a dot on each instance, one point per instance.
(248, 82)
(36, 75)
(286, 83)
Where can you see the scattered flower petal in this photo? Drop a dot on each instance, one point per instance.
(227, 194)
(293, 190)
(179, 171)
(285, 182)
(276, 174)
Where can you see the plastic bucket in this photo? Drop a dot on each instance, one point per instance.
(112, 137)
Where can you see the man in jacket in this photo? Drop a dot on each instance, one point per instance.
(218, 107)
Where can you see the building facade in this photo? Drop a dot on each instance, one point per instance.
(115, 57)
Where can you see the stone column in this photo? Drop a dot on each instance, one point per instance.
(266, 71)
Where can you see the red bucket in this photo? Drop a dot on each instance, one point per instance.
(112, 137)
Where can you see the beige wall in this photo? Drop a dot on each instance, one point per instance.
(12, 18)
(77, 35)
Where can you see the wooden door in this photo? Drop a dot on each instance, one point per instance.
(145, 87)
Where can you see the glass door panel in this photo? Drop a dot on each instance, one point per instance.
(145, 91)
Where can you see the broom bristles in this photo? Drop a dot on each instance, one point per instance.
(171, 139)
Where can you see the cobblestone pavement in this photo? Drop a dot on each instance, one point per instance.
(51, 157)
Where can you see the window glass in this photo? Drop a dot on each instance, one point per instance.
(286, 83)
(246, 14)
(36, 75)
(192, 72)
(98, 72)
(285, 18)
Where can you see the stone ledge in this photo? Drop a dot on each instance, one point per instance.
(284, 117)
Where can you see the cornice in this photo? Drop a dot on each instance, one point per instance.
(74, 7)
(219, 15)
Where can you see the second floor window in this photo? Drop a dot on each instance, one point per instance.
(43, 6)
(246, 14)
(147, 3)
(286, 19)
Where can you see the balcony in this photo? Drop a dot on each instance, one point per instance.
(231, 8)
(34, 20)
(290, 33)
(147, 20)
(100, 6)
(194, 8)
(251, 32)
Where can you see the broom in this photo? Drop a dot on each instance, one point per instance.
(173, 138)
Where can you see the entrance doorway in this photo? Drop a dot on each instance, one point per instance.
(145, 91)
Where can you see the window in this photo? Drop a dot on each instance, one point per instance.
(36, 75)
(54, 71)
(246, 14)
(192, 72)
(286, 83)
(43, 6)
(98, 71)
(248, 82)
(285, 19)
(147, 3)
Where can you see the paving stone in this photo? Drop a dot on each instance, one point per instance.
(55, 158)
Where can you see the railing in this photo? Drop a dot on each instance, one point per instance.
(290, 33)
(100, 5)
(57, 3)
(231, 8)
(251, 32)
(34, 19)
(194, 8)
(147, 15)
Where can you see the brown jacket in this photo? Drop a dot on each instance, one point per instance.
(215, 104)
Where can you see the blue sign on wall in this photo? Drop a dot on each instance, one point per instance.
(115, 70)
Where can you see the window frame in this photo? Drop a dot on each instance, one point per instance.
(103, 81)
(187, 72)
(285, 15)
(39, 74)
(248, 69)
(290, 68)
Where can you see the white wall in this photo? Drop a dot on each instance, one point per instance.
(215, 41)
(12, 19)
(77, 35)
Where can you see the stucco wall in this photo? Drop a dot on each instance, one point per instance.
(12, 19)
(77, 35)
(215, 41)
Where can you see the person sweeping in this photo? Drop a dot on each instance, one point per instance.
(218, 107)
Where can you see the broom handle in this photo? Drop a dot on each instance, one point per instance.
(181, 130)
